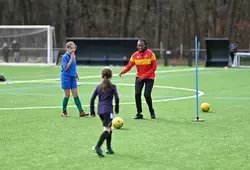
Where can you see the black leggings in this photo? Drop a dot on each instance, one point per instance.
(232, 57)
(149, 83)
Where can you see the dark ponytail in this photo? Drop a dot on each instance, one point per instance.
(106, 84)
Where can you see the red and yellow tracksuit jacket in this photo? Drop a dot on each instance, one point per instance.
(145, 62)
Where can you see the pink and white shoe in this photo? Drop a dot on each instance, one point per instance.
(65, 114)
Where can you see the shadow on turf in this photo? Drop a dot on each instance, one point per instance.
(122, 129)
(77, 117)
(182, 121)
(210, 111)
(118, 155)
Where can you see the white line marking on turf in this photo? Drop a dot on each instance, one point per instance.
(226, 98)
(125, 103)
(98, 76)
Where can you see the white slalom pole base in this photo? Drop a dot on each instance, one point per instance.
(198, 120)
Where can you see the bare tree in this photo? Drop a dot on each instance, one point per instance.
(158, 22)
(172, 22)
(126, 8)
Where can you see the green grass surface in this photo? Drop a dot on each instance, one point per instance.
(33, 135)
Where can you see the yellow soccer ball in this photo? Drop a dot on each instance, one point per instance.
(117, 122)
(205, 107)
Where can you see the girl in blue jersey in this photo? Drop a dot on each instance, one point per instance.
(69, 79)
(105, 92)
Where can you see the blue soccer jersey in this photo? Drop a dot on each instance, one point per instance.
(68, 77)
(72, 69)
(105, 100)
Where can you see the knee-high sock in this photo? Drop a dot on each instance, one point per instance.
(109, 138)
(65, 104)
(78, 104)
(102, 138)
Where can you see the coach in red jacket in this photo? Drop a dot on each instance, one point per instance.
(146, 65)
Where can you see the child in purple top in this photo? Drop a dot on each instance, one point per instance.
(105, 92)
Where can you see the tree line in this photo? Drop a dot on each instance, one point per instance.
(172, 22)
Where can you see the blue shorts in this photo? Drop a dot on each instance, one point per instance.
(68, 82)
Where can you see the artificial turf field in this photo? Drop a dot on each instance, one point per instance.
(33, 135)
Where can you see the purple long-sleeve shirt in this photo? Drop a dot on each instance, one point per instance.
(105, 100)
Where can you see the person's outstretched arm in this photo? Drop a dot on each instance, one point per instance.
(130, 64)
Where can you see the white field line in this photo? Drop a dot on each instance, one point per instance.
(124, 103)
(96, 76)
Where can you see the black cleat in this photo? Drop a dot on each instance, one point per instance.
(153, 116)
(152, 113)
(98, 151)
(138, 116)
(109, 151)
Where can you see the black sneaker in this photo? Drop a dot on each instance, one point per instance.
(109, 151)
(98, 151)
(152, 113)
(138, 116)
(153, 116)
